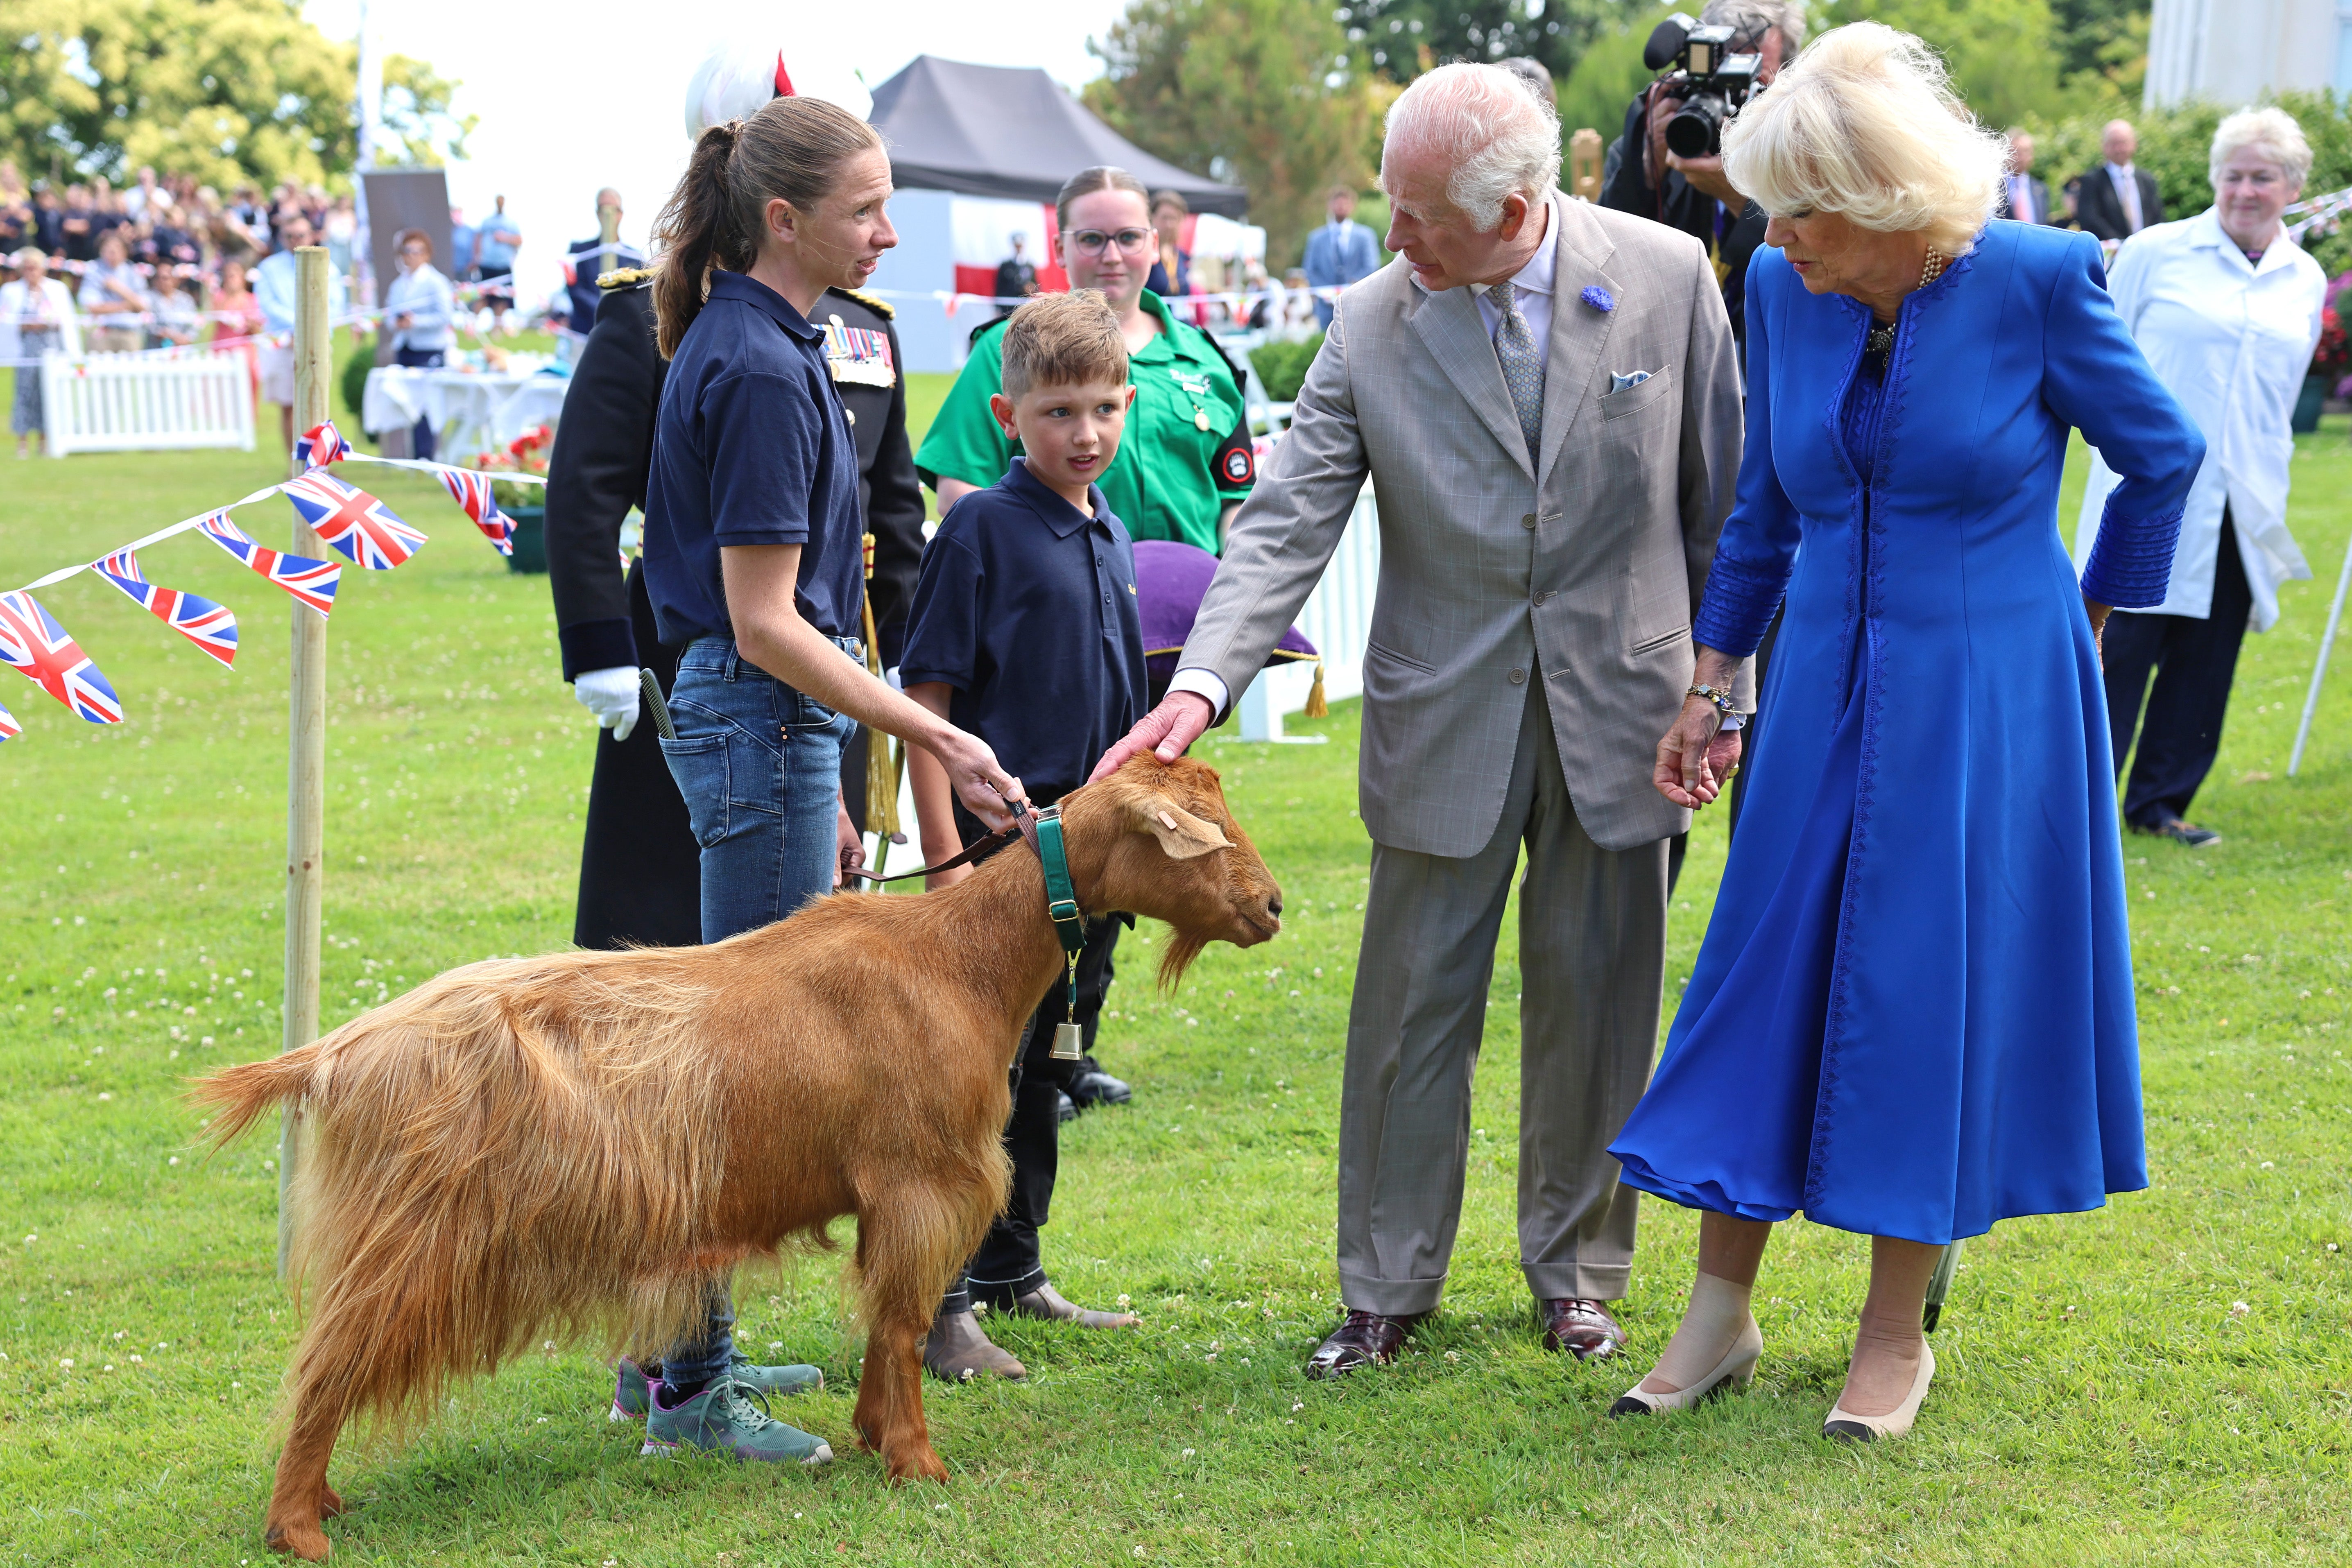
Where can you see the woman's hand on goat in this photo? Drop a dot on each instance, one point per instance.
(1167, 732)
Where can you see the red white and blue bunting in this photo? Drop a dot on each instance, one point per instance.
(356, 523)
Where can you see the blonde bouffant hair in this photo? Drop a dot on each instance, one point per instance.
(1865, 123)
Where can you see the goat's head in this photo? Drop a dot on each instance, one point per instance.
(1173, 851)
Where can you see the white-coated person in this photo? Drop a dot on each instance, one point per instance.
(753, 561)
(2227, 307)
(418, 308)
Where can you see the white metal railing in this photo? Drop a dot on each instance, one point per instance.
(146, 403)
(1337, 619)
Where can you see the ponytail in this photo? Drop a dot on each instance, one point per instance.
(692, 232)
(791, 150)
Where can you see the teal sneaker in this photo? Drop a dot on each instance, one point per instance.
(723, 1418)
(633, 1385)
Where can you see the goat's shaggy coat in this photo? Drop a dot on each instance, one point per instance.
(572, 1146)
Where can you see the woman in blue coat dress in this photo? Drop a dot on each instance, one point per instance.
(1912, 1015)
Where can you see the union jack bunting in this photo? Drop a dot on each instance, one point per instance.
(312, 582)
(9, 728)
(208, 625)
(34, 642)
(322, 444)
(353, 521)
(473, 493)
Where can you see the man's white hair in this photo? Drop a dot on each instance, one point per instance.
(2271, 129)
(1498, 139)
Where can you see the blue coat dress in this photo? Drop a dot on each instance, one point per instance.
(1912, 1015)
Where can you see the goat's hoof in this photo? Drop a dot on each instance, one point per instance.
(303, 1539)
(922, 1465)
(330, 1503)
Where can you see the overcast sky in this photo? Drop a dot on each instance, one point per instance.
(592, 94)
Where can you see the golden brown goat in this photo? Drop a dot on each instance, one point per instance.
(572, 1145)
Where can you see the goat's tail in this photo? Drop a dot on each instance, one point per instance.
(242, 1093)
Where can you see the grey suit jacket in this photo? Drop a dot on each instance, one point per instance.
(1582, 572)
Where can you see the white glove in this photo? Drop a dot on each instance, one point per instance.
(611, 696)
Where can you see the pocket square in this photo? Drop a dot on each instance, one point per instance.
(1620, 381)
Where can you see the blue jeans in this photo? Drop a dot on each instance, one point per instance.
(759, 767)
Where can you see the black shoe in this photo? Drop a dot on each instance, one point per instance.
(1065, 1109)
(2185, 834)
(1094, 1086)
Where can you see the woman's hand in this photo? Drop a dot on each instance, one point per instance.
(850, 847)
(1697, 756)
(972, 772)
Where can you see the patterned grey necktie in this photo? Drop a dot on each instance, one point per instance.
(1523, 369)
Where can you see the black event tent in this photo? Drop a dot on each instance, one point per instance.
(993, 130)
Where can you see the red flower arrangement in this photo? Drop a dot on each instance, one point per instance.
(526, 454)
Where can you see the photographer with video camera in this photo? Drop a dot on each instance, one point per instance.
(1668, 167)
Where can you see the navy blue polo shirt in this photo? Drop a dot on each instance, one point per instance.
(751, 447)
(1026, 606)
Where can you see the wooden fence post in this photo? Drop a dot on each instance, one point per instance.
(306, 785)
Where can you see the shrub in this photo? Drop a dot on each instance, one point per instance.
(1281, 365)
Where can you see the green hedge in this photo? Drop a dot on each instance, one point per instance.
(2175, 146)
(1282, 366)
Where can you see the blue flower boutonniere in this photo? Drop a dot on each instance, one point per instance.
(1598, 298)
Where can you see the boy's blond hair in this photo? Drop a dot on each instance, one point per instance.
(1064, 339)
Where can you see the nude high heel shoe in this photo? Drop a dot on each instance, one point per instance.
(1843, 1425)
(1738, 1366)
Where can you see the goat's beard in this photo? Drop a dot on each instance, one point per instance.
(1182, 949)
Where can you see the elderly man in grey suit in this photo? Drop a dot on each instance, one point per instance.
(1543, 394)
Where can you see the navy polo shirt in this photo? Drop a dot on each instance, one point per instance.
(751, 447)
(1027, 605)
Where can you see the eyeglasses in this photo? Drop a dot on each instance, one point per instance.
(1090, 241)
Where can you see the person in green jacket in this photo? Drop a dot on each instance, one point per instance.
(1187, 461)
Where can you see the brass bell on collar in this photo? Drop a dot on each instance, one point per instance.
(1069, 1043)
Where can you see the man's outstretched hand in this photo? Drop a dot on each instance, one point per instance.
(1167, 732)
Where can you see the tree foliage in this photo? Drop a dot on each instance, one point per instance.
(1402, 38)
(225, 91)
(1268, 94)
(2001, 52)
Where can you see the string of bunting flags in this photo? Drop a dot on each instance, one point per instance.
(358, 525)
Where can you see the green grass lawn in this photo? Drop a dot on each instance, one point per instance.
(2167, 1380)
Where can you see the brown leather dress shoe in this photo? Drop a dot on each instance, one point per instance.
(1363, 1339)
(1583, 1328)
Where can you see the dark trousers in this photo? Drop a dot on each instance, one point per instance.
(1010, 1262)
(2194, 663)
(422, 440)
(640, 868)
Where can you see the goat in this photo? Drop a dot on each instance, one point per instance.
(573, 1145)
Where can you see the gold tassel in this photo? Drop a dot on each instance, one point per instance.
(882, 758)
(1317, 708)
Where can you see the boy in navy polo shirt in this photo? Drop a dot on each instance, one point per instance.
(1025, 632)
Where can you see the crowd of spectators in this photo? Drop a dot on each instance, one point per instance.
(161, 262)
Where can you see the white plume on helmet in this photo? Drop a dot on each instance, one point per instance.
(736, 77)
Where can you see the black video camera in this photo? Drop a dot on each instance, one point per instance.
(1713, 83)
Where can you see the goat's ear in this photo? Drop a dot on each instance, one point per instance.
(1183, 835)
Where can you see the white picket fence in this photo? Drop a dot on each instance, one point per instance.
(146, 403)
(1337, 619)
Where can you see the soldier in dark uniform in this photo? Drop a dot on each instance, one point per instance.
(640, 879)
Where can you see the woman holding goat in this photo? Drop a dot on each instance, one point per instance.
(753, 560)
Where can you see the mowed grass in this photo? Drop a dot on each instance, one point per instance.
(2167, 1380)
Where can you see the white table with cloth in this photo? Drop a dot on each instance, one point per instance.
(474, 411)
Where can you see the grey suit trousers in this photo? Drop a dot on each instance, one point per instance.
(1592, 926)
